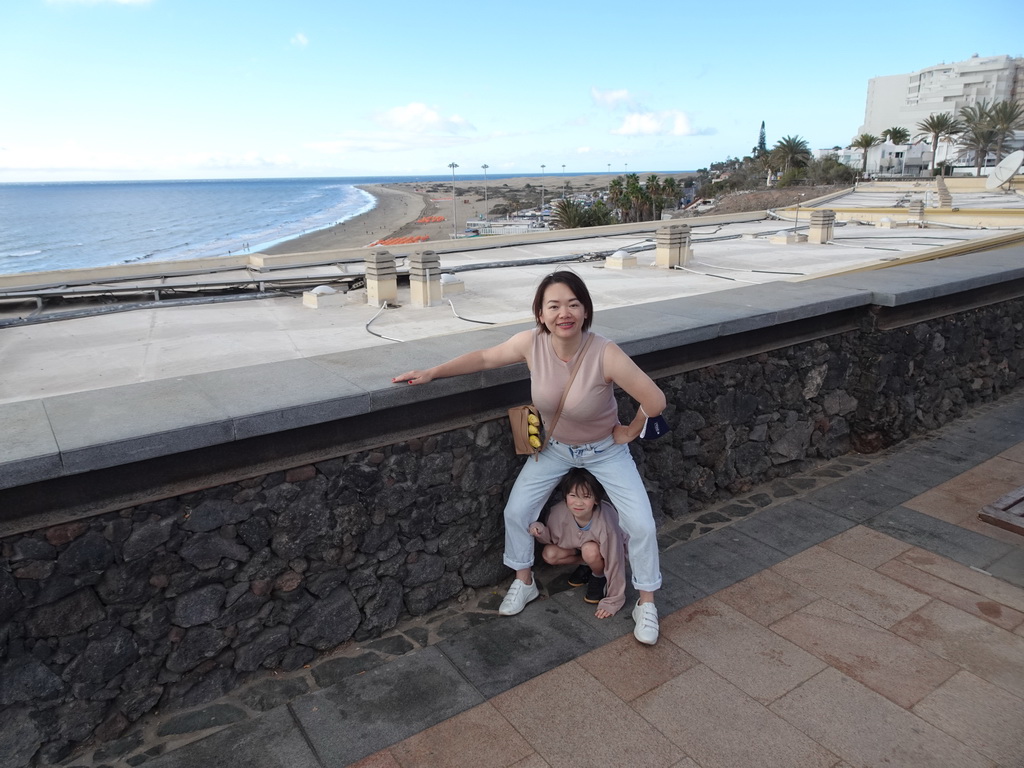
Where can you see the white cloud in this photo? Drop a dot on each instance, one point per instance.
(299, 40)
(583, 150)
(669, 122)
(612, 99)
(419, 118)
(414, 126)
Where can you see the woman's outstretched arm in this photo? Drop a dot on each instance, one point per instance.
(508, 352)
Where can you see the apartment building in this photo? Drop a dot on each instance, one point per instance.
(906, 100)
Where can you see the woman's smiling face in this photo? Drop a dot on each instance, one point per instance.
(561, 312)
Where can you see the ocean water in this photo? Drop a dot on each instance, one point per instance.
(50, 226)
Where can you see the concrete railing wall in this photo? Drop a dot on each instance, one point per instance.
(168, 576)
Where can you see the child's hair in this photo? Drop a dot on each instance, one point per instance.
(582, 479)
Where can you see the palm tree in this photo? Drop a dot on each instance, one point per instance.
(671, 189)
(569, 214)
(634, 200)
(979, 135)
(655, 192)
(941, 125)
(572, 214)
(1007, 117)
(865, 142)
(791, 151)
(617, 196)
(896, 135)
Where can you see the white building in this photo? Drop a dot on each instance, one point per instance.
(906, 100)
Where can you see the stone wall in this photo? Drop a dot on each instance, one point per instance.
(170, 604)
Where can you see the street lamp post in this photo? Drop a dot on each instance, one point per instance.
(565, 185)
(542, 167)
(455, 208)
(485, 166)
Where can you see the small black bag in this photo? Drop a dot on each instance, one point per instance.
(655, 427)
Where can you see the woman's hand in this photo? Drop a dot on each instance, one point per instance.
(621, 434)
(414, 377)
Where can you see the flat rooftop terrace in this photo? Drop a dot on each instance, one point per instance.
(95, 348)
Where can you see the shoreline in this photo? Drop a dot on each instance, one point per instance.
(394, 207)
(401, 204)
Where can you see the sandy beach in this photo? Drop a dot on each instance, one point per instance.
(400, 207)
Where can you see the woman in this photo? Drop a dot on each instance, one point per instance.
(588, 434)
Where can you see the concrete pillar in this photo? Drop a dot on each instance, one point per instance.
(916, 209)
(822, 226)
(425, 279)
(673, 246)
(381, 278)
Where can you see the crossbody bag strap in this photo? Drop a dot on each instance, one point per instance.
(565, 393)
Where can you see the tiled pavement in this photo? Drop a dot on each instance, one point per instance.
(869, 621)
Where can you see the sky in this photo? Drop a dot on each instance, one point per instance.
(207, 89)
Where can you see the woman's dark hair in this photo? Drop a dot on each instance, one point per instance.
(581, 478)
(575, 284)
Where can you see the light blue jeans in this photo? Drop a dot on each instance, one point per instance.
(613, 466)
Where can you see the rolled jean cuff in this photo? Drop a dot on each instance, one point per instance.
(516, 566)
(647, 587)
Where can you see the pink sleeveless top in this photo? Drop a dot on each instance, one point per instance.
(590, 412)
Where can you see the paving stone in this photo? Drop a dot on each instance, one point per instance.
(938, 536)
(887, 664)
(793, 526)
(989, 652)
(1009, 567)
(865, 728)
(913, 472)
(985, 482)
(270, 741)
(571, 601)
(971, 602)
(477, 738)
(383, 706)
(629, 669)
(865, 592)
(756, 660)
(703, 711)
(857, 497)
(332, 671)
(547, 711)
(865, 546)
(718, 560)
(981, 715)
(501, 654)
(767, 597)
(965, 576)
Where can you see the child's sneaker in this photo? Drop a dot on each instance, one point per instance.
(595, 589)
(580, 576)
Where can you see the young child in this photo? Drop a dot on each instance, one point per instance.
(584, 529)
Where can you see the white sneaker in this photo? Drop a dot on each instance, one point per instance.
(518, 595)
(646, 617)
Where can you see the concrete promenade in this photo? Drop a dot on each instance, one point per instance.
(859, 615)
